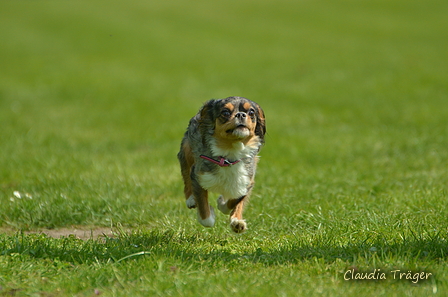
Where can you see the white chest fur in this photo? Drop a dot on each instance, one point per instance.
(232, 181)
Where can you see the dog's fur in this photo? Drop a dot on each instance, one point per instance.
(229, 130)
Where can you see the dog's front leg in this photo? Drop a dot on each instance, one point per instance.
(237, 223)
(227, 205)
(235, 207)
(206, 214)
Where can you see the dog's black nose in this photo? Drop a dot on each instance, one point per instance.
(240, 115)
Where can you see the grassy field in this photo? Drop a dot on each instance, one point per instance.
(95, 97)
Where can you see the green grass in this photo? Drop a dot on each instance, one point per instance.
(94, 100)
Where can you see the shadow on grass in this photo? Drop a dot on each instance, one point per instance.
(197, 249)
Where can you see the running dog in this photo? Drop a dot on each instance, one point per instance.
(218, 153)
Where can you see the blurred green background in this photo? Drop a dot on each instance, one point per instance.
(95, 97)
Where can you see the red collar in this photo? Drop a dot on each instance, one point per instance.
(223, 162)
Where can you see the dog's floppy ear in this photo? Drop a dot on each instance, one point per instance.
(260, 129)
(207, 109)
(206, 117)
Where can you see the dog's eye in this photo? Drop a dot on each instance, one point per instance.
(251, 112)
(225, 113)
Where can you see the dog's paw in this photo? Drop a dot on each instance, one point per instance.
(222, 205)
(238, 226)
(208, 222)
(191, 203)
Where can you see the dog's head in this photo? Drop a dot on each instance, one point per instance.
(234, 119)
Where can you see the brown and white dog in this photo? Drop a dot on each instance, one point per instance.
(219, 154)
